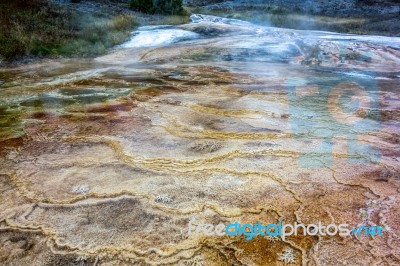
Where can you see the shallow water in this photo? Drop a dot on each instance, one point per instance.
(153, 36)
(108, 158)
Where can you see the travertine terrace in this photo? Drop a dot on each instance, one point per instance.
(104, 161)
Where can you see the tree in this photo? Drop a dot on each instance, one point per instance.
(165, 7)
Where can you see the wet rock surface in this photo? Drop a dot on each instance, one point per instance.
(104, 161)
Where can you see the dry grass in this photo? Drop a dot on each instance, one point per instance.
(43, 29)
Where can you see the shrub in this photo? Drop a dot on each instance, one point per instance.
(164, 7)
(123, 22)
(145, 6)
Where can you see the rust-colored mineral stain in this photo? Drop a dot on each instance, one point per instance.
(150, 92)
(11, 143)
(239, 251)
(109, 108)
(153, 92)
(40, 115)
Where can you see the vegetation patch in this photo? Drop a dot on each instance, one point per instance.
(40, 28)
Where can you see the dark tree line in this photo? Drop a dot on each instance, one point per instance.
(171, 7)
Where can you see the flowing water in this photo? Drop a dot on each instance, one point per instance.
(105, 160)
